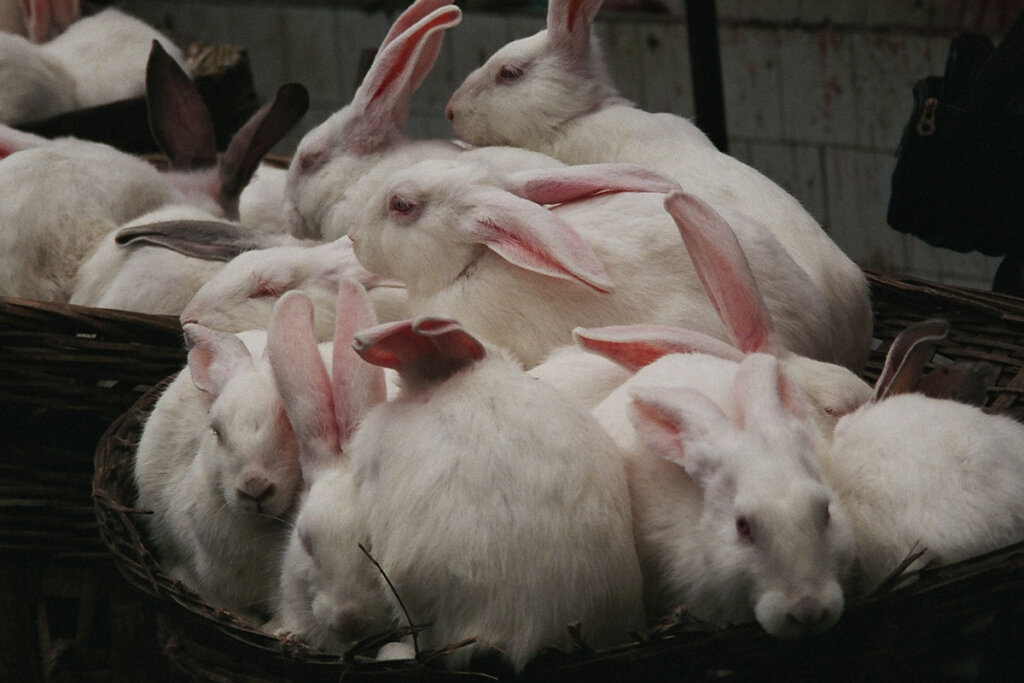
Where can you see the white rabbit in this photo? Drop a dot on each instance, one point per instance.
(105, 53)
(369, 132)
(45, 240)
(330, 594)
(241, 294)
(218, 465)
(551, 93)
(474, 244)
(36, 86)
(922, 474)
(830, 390)
(370, 129)
(498, 509)
(732, 518)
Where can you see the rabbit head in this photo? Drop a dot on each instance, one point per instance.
(333, 155)
(531, 87)
(249, 451)
(771, 541)
(241, 294)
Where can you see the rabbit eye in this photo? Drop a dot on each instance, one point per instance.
(508, 72)
(400, 205)
(744, 529)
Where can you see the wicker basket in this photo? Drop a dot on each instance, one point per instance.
(938, 621)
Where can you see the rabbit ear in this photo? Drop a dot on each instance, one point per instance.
(669, 420)
(303, 382)
(47, 19)
(208, 240)
(381, 101)
(636, 346)
(572, 183)
(412, 14)
(725, 273)
(423, 351)
(13, 140)
(904, 363)
(178, 117)
(357, 385)
(253, 140)
(762, 392)
(529, 236)
(569, 23)
(214, 357)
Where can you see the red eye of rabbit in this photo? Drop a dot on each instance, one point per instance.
(400, 205)
(509, 72)
(744, 529)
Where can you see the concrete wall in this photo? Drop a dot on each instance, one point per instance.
(817, 92)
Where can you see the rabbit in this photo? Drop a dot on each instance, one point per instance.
(369, 132)
(105, 53)
(496, 508)
(917, 473)
(218, 466)
(241, 294)
(36, 86)
(731, 515)
(330, 595)
(831, 390)
(551, 93)
(101, 188)
(474, 244)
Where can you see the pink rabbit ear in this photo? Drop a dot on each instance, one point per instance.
(725, 273)
(531, 237)
(302, 382)
(572, 183)
(358, 386)
(13, 140)
(904, 364)
(214, 357)
(669, 419)
(637, 346)
(569, 23)
(178, 117)
(426, 350)
(382, 100)
(413, 13)
(47, 19)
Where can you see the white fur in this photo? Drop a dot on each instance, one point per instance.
(565, 105)
(242, 293)
(106, 56)
(750, 462)
(499, 510)
(583, 376)
(917, 473)
(196, 453)
(59, 202)
(36, 86)
(531, 314)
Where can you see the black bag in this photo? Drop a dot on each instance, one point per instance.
(959, 177)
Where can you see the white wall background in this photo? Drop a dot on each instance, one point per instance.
(817, 92)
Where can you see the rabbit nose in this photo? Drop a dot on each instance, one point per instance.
(256, 489)
(449, 113)
(807, 612)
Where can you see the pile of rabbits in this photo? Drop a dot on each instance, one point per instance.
(534, 388)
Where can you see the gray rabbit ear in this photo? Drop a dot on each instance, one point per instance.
(207, 240)
(904, 364)
(253, 140)
(178, 117)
